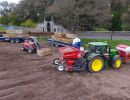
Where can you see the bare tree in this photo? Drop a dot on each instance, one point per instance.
(6, 9)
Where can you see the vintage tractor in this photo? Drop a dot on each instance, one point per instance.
(98, 56)
(31, 45)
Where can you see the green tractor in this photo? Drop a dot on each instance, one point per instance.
(100, 56)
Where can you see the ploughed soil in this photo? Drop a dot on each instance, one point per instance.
(26, 76)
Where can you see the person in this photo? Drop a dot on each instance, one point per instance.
(77, 43)
(36, 41)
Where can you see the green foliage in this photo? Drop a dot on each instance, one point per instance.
(1, 20)
(28, 23)
(116, 22)
(86, 22)
(126, 27)
(100, 29)
(118, 9)
(2, 29)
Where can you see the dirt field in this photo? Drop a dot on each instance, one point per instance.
(26, 76)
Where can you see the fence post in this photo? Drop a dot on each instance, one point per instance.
(112, 35)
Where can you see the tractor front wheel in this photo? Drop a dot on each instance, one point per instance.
(61, 67)
(117, 62)
(96, 64)
(56, 61)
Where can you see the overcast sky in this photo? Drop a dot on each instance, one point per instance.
(11, 1)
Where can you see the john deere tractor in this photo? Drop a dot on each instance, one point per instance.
(100, 56)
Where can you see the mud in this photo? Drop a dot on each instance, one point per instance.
(26, 76)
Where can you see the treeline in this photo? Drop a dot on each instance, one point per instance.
(75, 15)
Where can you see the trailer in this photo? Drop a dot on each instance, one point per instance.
(56, 43)
(17, 40)
(4, 39)
(12, 40)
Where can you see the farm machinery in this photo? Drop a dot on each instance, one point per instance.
(30, 44)
(71, 60)
(98, 56)
(124, 52)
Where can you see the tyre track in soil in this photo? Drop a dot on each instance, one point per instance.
(29, 69)
(15, 84)
(36, 79)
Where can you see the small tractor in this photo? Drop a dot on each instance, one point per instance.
(98, 56)
(31, 45)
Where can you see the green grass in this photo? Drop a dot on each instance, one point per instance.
(113, 43)
(2, 29)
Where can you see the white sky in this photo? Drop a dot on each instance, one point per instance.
(11, 1)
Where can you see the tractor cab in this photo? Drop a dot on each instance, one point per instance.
(100, 48)
(34, 40)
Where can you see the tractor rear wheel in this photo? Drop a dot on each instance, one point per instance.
(117, 62)
(56, 61)
(61, 67)
(96, 64)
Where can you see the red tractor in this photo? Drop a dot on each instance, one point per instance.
(30, 44)
(71, 60)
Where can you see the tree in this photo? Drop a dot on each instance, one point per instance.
(28, 23)
(5, 10)
(32, 9)
(81, 14)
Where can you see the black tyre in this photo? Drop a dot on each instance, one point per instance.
(30, 51)
(56, 45)
(17, 41)
(56, 61)
(49, 44)
(96, 64)
(52, 44)
(61, 67)
(12, 41)
(23, 49)
(117, 62)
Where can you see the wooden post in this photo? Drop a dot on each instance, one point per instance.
(112, 35)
